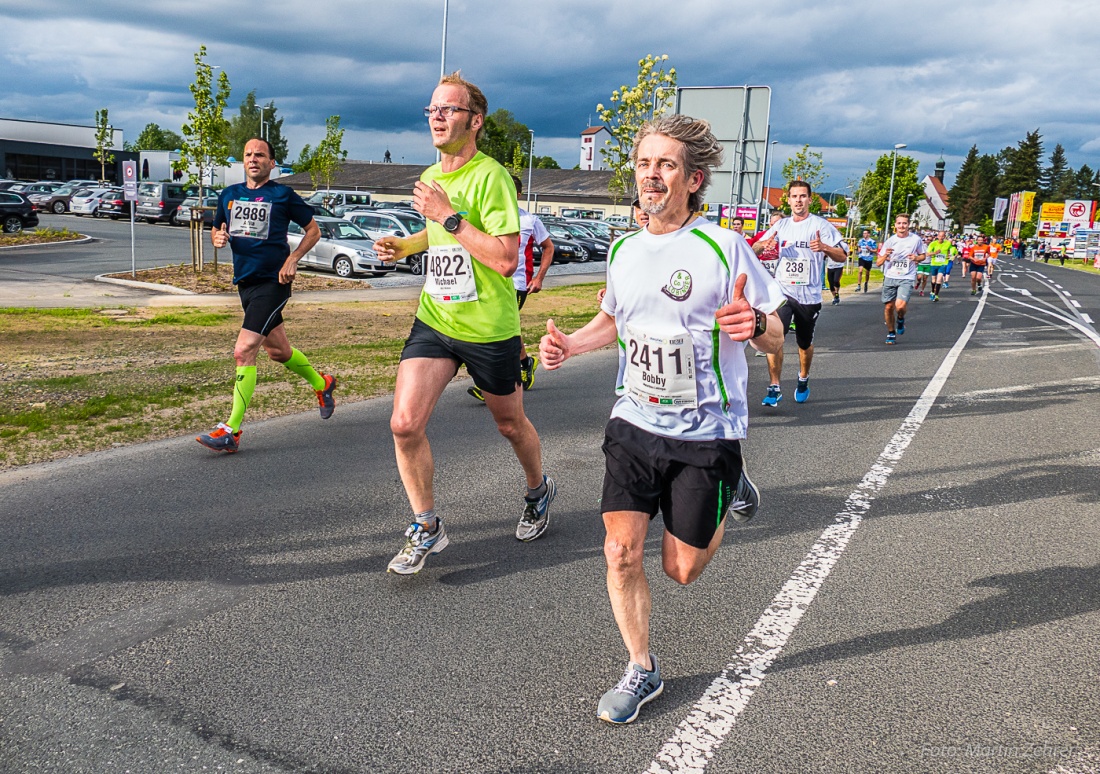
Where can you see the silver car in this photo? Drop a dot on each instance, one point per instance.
(401, 223)
(343, 248)
(86, 202)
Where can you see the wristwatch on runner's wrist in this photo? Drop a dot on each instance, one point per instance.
(453, 222)
(761, 323)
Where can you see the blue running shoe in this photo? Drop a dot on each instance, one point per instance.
(773, 397)
(637, 687)
(536, 514)
(891, 338)
(419, 545)
(802, 391)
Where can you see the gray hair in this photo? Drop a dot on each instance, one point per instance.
(700, 149)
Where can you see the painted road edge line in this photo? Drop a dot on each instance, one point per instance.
(711, 719)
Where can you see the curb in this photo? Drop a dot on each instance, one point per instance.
(153, 286)
(82, 241)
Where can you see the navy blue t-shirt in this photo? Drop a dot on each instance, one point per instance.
(258, 220)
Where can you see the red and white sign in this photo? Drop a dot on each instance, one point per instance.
(1079, 210)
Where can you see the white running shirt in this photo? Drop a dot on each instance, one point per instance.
(663, 291)
(800, 269)
(531, 233)
(902, 263)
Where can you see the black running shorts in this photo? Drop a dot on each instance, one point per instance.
(690, 482)
(521, 298)
(805, 320)
(263, 306)
(494, 365)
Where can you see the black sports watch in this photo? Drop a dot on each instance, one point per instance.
(761, 323)
(453, 222)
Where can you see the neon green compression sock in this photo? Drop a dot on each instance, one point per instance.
(242, 395)
(299, 364)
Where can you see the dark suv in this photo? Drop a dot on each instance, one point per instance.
(158, 202)
(16, 212)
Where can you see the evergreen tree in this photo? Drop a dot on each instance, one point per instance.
(1053, 173)
(502, 135)
(960, 191)
(1024, 165)
(247, 124)
(1083, 183)
(1065, 187)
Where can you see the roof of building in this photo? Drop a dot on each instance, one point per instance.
(594, 130)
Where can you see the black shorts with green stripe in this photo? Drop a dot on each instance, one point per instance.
(690, 482)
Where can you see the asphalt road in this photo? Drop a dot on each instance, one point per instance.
(166, 609)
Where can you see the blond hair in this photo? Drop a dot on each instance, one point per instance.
(475, 98)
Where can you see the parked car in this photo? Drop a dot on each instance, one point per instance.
(41, 187)
(85, 184)
(565, 250)
(597, 228)
(341, 201)
(115, 205)
(87, 201)
(402, 223)
(343, 248)
(157, 202)
(559, 233)
(622, 221)
(17, 212)
(56, 202)
(6, 184)
(183, 212)
(321, 211)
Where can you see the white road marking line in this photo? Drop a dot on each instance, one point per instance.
(1087, 319)
(1089, 332)
(711, 719)
(1075, 302)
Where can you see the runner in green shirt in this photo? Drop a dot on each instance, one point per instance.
(942, 252)
(467, 315)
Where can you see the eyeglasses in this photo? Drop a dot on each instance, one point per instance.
(444, 110)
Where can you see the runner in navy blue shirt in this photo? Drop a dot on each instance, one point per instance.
(252, 219)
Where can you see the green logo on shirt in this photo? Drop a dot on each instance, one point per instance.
(679, 286)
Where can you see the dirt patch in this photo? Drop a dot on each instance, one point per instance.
(40, 236)
(221, 279)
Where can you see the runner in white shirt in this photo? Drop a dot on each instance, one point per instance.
(531, 233)
(899, 257)
(804, 241)
(682, 297)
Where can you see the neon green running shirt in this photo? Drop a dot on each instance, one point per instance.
(483, 193)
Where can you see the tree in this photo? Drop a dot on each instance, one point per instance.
(1083, 182)
(546, 162)
(153, 138)
(842, 208)
(873, 192)
(808, 166)
(247, 124)
(502, 135)
(205, 135)
(1048, 182)
(1024, 165)
(104, 136)
(324, 160)
(960, 191)
(632, 106)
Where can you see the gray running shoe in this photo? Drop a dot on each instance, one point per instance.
(536, 515)
(637, 686)
(746, 498)
(419, 545)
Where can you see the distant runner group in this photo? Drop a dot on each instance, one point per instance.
(684, 300)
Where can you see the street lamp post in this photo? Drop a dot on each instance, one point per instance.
(530, 167)
(890, 200)
(263, 124)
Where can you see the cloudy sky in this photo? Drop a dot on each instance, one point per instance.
(850, 79)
